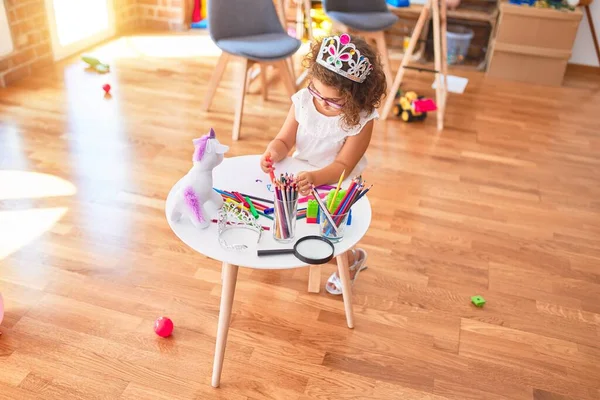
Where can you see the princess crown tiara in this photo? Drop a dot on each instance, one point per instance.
(337, 52)
(232, 216)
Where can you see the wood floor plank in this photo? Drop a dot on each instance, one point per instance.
(8, 392)
(452, 390)
(71, 386)
(389, 370)
(134, 391)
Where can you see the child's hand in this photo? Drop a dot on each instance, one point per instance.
(305, 181)
(266, 163)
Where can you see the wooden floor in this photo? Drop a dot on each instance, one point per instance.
(504, 203)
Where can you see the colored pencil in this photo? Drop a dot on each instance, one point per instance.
(264, 215)
(257, 198)
(285, 206)
(355, 192)
(364, 192)
(224, 193)
(337, 190)
(324, 209)
(346, 197)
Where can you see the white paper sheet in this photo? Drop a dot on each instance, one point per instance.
(456, 84)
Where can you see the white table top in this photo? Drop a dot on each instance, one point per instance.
(243, 174)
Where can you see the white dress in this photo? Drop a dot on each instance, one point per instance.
(320, 138)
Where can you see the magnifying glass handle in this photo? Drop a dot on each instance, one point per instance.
(274, 252)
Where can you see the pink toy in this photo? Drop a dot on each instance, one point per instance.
(195, 198)
(163, 327)
(424, 105)
(106, 88)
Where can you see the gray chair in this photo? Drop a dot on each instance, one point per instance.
(252, 32)
(368, 18)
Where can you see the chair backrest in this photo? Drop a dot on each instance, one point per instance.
(240, 18)
(357, 6)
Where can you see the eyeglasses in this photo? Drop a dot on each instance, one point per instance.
(330, 103)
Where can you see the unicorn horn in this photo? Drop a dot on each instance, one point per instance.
(211, 134)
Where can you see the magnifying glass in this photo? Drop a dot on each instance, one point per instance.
(313, 250)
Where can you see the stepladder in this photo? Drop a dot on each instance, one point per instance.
(436, 10)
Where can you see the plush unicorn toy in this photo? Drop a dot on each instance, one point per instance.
(195, 199)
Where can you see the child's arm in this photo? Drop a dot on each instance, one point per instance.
(279, 147)
(350, 154)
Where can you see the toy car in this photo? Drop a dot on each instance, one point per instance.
(412, 107)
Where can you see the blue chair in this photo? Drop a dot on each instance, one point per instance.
(251, 31)
(368, 18)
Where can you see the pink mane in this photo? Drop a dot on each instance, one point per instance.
(200, 145)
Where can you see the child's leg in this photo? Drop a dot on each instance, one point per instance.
(357, 258)
(314, 274)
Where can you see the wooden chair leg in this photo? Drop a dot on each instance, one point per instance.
(287, 78)
(253, 73)
(314, 278)
(444, 56)
(438, 62)
(265, 81)
(289, 62)
(307, 7)
(280, 8)
(344, 272)
(299, 20)
(588, 13)
(239, 108)
(385, 58)
(227, 293)
(389, 101)
(214, 80)
(301, 78)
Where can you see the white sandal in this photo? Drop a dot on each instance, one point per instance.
(334, 283)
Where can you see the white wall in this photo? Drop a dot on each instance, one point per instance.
(583, 49)
(6, 44)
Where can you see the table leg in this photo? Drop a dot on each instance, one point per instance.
(229, 280)
(314, 279)
(344, 271)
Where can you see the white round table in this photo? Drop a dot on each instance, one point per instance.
(243, 174)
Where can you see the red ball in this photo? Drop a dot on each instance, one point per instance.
(163, 327)
(106, 88)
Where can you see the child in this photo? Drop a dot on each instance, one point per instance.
(331, 121)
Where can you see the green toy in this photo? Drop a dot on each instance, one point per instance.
(312, 212)
(478, 301)
(94, 63)
(340, 196)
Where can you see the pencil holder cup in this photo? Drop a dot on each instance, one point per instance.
(326, 229)
(284, 220)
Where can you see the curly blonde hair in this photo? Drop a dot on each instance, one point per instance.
(358, 97)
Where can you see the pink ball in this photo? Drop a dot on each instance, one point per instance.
(163, 327)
